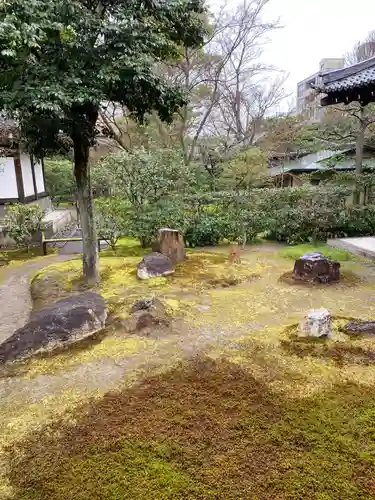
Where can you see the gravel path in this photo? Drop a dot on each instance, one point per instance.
(15, 300)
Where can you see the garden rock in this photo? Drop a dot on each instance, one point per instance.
(315, 267)
(154, 265)
(142, 305)
(170, 242)
(146, 313)
(317, 323)
(360, 327)
(66, 322)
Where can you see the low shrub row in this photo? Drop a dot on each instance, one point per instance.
(293, 216)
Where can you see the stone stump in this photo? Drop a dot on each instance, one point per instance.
(317, 323)
(170, 242)
(315, 267)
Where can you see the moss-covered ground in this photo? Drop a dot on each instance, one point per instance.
(230, 406)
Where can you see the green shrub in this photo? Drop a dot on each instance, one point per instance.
(147, 220)
(112, 219)
(207, 230)
(298, 215)
(22, 222)
(60, 181)
(358, 221)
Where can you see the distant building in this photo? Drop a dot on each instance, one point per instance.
(365, 51)
(308, 102)
(288, 173)
(21, 174)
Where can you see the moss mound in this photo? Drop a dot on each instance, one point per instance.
(347, 279)
(120, 286)
(253, 412)
(207, 429)
(294, 252)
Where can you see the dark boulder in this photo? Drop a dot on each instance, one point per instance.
(154, 265)
(64, 323)
(315, 267)
(360, 327)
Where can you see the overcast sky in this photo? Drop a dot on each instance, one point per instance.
(314, 30)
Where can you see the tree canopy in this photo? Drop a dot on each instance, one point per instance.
(59, 61)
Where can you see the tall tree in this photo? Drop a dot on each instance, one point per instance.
(361, 50)
(60, 60)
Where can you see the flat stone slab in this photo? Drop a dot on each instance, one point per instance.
(359, 246)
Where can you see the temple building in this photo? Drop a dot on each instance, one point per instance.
(355, 83)
(21, 174)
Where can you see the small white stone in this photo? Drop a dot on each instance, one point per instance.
(317, 323)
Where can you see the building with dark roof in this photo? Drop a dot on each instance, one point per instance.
(355, 83)
(288, 173)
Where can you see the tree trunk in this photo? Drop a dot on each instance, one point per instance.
(360, 141)
(86, 212)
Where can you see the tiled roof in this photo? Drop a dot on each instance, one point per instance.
(355, 76)
(316, 161)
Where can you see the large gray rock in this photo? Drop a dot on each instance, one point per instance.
(154, 265)
(315, 267)
(317, 323)
(66, 322)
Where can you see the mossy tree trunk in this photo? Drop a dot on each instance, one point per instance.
(86, 210)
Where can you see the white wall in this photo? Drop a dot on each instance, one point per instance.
(39, 176)
(27, 176)
(8, 180)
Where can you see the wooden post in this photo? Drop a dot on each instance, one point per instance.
(19, 178)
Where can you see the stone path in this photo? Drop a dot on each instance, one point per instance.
(359, 246)
(15, 300)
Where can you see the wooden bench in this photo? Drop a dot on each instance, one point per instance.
(45, 242)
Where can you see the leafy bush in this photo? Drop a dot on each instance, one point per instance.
(60, 181)
(298, 215)
(143, 177)
(207, 230)
(246, 170)
(358, 221)
(146, 221)
(22, 222)
(112, 219)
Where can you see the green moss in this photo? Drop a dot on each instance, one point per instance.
(126, 469)
(21, 256)
(92, 350)
(263, 415)
(207, 429)
(125, 247)
(296, 251)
